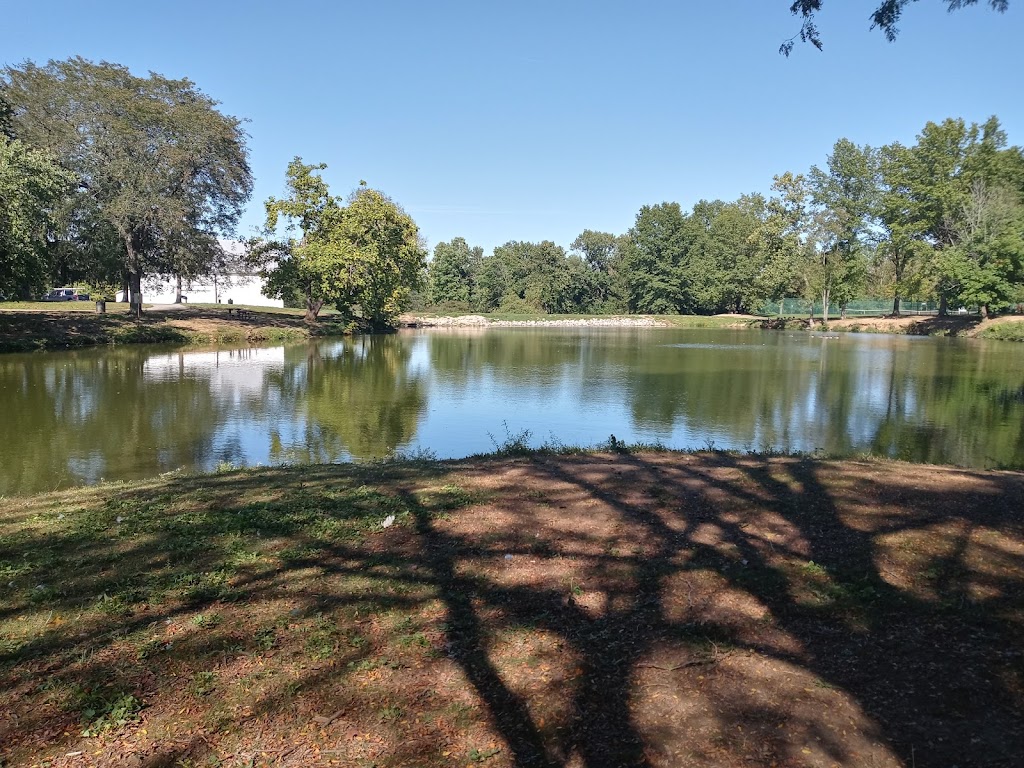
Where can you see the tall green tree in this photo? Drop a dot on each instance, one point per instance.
(902, 243)
(32, 185)
(363, 253)
(845, 197)
(602, 252)
(654, 261)
(521, 277)
(316, 265)
(936, 178)
(987, 263)
(391, 258)
(452, 272)
(153, 157)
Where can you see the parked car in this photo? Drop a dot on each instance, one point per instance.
(65, 294)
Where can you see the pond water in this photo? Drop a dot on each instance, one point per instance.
(71, 418)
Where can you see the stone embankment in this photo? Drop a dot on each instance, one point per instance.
(463, 321)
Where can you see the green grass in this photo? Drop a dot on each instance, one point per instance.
(63, 306)
(1008, 331)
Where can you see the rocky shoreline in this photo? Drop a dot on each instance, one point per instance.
(463, 321)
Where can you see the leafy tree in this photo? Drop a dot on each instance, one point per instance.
(602, 251)
(902, 243)
(654, 260)
(988, 259)
(936, 178)
(318, 266)
(885, 17)
(366, 252)
(31, 185)
(845, 197)
(785, 238)
(153, 157)
(491, 283)
(520, 277)
(452, 272)
(391, 259)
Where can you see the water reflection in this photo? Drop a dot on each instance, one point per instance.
(75, 417)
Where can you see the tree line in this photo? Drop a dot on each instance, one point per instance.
(941, 220)
(108, 178)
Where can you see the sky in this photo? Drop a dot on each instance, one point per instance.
(536, 120)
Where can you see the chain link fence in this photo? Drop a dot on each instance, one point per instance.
(857, 308)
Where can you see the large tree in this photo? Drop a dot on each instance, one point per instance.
(845, 199)
(987, 263)
(452, 272)
(364, 253)
(602, 252)
(153, 157)
(391, 257)
(934, 183)
(654, 261)
(884, 17)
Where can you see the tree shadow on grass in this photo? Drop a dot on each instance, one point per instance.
(558, 611)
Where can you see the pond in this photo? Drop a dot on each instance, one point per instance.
(72, 418)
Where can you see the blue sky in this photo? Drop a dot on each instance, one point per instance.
(536, 120)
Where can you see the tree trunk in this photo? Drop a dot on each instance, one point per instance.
(824, 306)
(135, 284)
(313, 307)
(842, 311)
(985, 311)
(943, 309)
(896, 305)
(177, 289)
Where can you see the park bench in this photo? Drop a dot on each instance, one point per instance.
(241, 314)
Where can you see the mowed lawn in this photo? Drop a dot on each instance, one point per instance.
(650, 609)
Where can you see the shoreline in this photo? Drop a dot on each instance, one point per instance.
(1005, 327)
(28, 330)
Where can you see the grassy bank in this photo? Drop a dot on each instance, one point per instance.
(653, 609)
(71, 325)
(1008, 328)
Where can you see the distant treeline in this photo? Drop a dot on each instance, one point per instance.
(942, 221)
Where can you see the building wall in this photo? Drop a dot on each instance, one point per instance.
(241, 289)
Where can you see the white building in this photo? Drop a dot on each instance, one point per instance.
(239, 288)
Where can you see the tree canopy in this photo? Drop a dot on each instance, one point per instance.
(362, 253)
(155, 162)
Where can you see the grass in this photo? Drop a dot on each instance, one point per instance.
(66, 325)
(532, 607)
(1006, 331)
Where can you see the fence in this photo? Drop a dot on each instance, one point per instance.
(857, 308)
